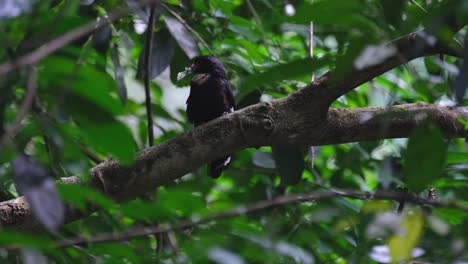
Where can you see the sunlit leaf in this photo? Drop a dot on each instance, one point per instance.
(401, 245)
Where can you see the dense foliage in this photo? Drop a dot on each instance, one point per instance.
(90, 101)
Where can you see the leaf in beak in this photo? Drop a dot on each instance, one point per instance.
(181, 75)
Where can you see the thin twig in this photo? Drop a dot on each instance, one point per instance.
(14, 128)
(254, 13)
(419, 6)
(312, 78)
(147, 63)
(58, 43)
(262, 205)
(189, 28)
(91, 155)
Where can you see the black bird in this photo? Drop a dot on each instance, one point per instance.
(210, 97)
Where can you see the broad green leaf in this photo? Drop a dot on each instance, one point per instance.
(151, 211)
(393, 11)
(117, 250)
(104, 131)
(10, 237)
(424, 158)
(285, 71)
(320, 11)
(182, 36)
(182, 201)
(79, 196)
(289, 162)
(119, 75)
(161, 55)
(64, 76)
(245, 28)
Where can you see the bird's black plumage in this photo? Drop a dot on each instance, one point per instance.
(210, 97)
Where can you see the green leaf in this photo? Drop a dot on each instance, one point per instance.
(457, 157)
(117, 250)
(161, 55)
(286, 71)
(182, 201)
(14, 237)
(79, 196)
(63, 75)
(320, 12)
(119, 75)
(424, 158)
(101, 129)
(393, 11)
(245, 28)
(182, 36)
(289, 162)
(140, 210)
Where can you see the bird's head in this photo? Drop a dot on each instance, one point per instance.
(208, 64)
(204, 65)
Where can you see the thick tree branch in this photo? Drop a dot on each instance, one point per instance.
(303, 118)
(374, 123)
(250, 127)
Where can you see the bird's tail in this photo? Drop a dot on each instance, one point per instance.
(216, 167)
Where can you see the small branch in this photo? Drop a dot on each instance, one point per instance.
(259, 206)
(147, 63)
(419, 6)
(92, 156)
(189, 28)
(25, 107)
(254, 13)
(58, 43)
